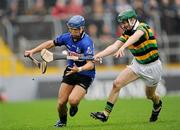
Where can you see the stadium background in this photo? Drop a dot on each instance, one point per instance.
(26, 23)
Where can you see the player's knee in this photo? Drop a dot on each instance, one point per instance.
(117, 85)
(73, 101)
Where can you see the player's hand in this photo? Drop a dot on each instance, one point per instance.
(72, 70)
(28, 53)
(120, 52)
(97, 59)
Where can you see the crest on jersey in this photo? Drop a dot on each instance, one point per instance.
(78, 50)
(89, 50)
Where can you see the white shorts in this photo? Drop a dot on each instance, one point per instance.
(151, 73)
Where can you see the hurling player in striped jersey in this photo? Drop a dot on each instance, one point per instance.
(141, 42)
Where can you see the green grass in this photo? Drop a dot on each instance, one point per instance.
(128, 114)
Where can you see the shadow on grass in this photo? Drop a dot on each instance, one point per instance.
(122, 124)
(95, 125)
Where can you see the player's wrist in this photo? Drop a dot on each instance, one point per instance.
(80, 69)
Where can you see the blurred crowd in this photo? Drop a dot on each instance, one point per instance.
(162, 15)
(101, 24)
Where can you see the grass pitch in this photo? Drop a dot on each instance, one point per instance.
(128, 114)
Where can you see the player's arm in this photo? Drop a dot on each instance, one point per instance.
(110, 49)
(88, 66)
(132, 39)
(47, 45)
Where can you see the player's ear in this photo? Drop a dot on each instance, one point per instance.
(82, 29)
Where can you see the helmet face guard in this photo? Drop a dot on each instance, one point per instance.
(126, 16)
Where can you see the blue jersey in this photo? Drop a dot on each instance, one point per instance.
(83, 46)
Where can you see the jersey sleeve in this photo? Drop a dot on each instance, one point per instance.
(59, 40)
(122, 38)
(144, 29)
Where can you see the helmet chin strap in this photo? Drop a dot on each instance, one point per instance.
(80, 37)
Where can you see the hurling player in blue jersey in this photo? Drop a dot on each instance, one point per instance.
(78, 75)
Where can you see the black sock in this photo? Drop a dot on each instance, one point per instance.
(63, 118)
(156, 106)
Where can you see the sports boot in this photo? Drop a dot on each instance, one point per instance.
(155, 112)
(99, 115)
(59, 123)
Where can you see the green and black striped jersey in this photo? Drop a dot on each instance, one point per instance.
(145, 50)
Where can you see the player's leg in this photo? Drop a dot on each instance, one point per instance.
(83, 82)
(124, 78)
(66, 87)
(150, 94)
(75, 97)
(152, 75)
(64, 92)
(157, 103)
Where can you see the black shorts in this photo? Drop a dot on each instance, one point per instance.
(77, 79)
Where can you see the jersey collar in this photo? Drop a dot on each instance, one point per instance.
(76, 40)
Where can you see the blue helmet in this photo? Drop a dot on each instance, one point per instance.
(76, 21)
